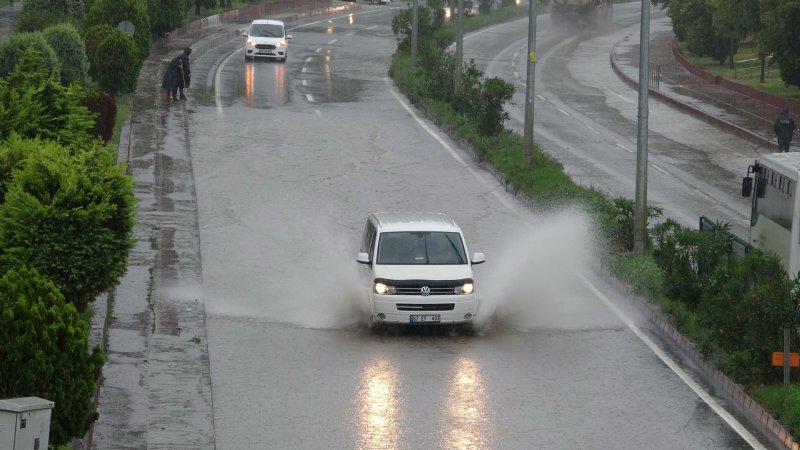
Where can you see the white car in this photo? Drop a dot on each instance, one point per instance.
(417, 269)
(266, 39)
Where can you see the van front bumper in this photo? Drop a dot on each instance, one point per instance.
(421, 310)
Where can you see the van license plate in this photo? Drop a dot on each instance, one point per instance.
(426, 318)
(265, 52)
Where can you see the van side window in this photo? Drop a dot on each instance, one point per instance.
(368, 240)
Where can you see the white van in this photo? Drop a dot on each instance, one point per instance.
(266, 39)
(417, 269)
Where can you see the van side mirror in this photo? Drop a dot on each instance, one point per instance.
(747, 186)
(478, 258)
(363, 258)
(288, 36)
(244, 34)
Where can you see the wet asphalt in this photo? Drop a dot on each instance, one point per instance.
(156, 389)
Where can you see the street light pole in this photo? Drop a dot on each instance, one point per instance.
(640, 212)
(530, 85)
(459, 46)
(414, 33)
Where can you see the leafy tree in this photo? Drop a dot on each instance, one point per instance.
(166, 15)
(66, 41)
(116, 74)
(113, 12)
(68, 213)
(781, 37)
(15, 46)
(28, 20)
(34, 104)
(734, 20)
(44, 352)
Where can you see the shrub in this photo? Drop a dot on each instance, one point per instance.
(12, 49)
(68, 46)
(44, 352)
(112, 12)
(70, 8)
(29, 20)
(69, 214)
(117, 74)
(492, 114)
(166, 15)
(34, 104)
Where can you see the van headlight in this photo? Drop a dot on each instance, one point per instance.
(381, 288)
(280, 44)
(465, 288)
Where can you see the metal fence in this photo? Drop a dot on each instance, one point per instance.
(654, 76)
(740, 246)
(751, 68)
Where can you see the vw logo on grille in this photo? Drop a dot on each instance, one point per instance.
(425, 290)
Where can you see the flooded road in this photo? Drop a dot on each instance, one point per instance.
(285, 161)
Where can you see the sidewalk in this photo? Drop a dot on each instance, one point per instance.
(723, 103)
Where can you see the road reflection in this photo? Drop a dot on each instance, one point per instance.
(466, 410)
(261, 90)
(378, 406)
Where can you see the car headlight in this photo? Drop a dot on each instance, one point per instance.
(465, 288)
(384, 289)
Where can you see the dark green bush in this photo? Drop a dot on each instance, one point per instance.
(68, 213)
(12, 49)
(67, 43)
(117, 74)
(112, 12)
(166, 15)
(28, 20)
(493, 97)
(44, 352)
(34, 104)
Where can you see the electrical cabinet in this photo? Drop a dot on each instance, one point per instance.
(25, 423)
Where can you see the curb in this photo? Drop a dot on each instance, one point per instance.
(763, 96)
(697, 113)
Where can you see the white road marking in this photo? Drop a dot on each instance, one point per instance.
(590, 128)
(623, 147)
(434, 134)
(304, 82)
(318, 50)
(539, 96)
(562, 112)
(309, 98)
(350, 33)
(693, 385)
(309, 59)
(659, 169)
(622, 97)
(332, 41)
(369, 28)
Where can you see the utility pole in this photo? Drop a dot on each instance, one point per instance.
(414, 33)
(527, 137)
(459, 46)
(640, 212)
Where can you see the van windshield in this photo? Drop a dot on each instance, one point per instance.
(426, 247)
(266, 30)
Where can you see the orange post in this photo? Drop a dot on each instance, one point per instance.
(777, 359)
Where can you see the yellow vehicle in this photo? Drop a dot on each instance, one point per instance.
(581, 11)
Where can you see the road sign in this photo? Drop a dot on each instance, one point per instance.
(777, 359)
